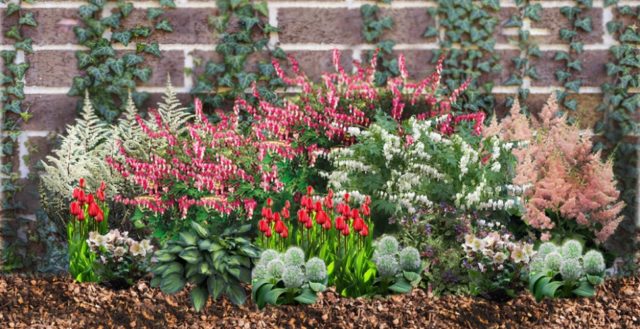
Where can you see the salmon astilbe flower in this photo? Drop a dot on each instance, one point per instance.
(565, 177)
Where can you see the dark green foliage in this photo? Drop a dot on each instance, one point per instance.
(373, 28)
(110, 75)
(216, 264)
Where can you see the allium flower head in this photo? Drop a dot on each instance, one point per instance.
(275, 268)
(553, 260)
(572, 249)
(593, 262)
(546, 248)
(259, 272)
(387, 245)
(570, 269)
(537, 265)
(387, 265)
(294, 257)
(293, 277)
(410, 259)
(268, 255)
(316, 270)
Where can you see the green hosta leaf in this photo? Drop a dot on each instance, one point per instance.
(584, 24)
(191, 256)
(594, 279)
(201, 231)
(188, 238)
(272, 296)
(27, 19)
(199, 297)
(153, 13)
(172, 268)
(538, 290)
(307, 297)
(413, 277)
(123, 37)
(165, 257)
(317, 287)
(584, 290)
(401, 286)
(236, 294)
(164, 25)
(172, 284)
(216, 286)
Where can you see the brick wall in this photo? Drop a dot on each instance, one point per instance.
(309, 30)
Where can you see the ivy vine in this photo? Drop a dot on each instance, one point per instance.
(469, 44)
(620, 106)
(373, 27)
(526, 11)
(243, 31)
(580, 23)
(109, 75)
(13, 113)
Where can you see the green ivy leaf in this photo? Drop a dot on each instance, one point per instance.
(164, 25)
(123, 37)
(245, 79)
(112, 21)
(576, 65)
(562, 55)
(125, 8)
(117, 66)
(493, 4)
(578, 47)
(168, 3)
(27, 19)
(570, 12)
(262, 8)
(533, 12)
(571, 104)
(12, 8)
(153, 13)
(13, 33)
(141, 32)
(584, 24)
(103, 50)
(143, 74)
(152, 48)
(573, 85)
(86, 11)
(25, 45)
(131, 59)
(561, 75)
(82, 34)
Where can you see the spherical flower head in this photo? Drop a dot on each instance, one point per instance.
(570, 269)
(259, 272)
(268, 255)
(537, 265)
(293, 277)
(387, 265)
(593, 262)
(316, 270)
(294, 257)
(546, 248)
(275, 268)
(387, 245)
(571, 249)
(552, 261)
(410, 259)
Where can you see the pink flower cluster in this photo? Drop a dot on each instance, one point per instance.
(212, 159)
(565, 176)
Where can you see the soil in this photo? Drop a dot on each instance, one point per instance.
(28, 301)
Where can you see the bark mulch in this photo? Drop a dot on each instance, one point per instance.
(56, 302)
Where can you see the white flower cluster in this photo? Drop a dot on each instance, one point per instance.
(492, 204)
(117, 245)
(494, 250)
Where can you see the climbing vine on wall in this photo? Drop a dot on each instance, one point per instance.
(13, 112)
(109, 74)
(469, 44)
(580, 24)
(524, 68)
(243, 32)
(373, 27)
(620, 106)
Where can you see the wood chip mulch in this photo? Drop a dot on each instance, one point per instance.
(28, 301)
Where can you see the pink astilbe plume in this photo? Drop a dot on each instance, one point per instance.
(565, 177)
(215, 160)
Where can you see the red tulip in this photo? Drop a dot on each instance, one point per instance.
(80, 216)
(365, 209)
(355, 213)
(340, 224)
(346, 197)
(268, 233)
(74, 208)
(263, 226)
(308, 224)
(345, 230)
(327, 224)
(358, 224)
(287, 204)
(364, 231)
(100, 216)
(284, 234)
(330, 194)
(303, 216)
(346, 210)
(267, 213)
(93, 209)
(90, 199)
(269, 202)
(285, 213)
(276, 217)
(367, 200)
(321, 217)
(100, 195)
(81, 183)
(318, 206)
(328, 202)
(279, 228)
(309, 190)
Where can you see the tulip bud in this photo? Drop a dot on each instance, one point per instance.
(279, 228)
(358, 224)
(346, 197)
(345, 230)
(308, 224)
(81, 183)
(268, 233)
(262, 225)
(318, 206)
(100, 217)
(284, 234)
(309, 190)
(90, 199)
(269, 202)
(93, 209)
(340, 224)
(327, 224)
(321, 217)
(364, 231)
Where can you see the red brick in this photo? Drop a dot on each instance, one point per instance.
(315, 63)
(50, 112)
(409, 24)
(593, 72)
(55, 26)
(171, 62)
(319, 25)
(51, 68)
(554, 21)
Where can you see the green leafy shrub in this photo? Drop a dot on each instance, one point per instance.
(285, 278)
(564, 271)
(215, 265)
(397, 270)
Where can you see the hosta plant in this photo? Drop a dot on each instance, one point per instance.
(214, 264)
(495, 260)
(120, 259)
(397, 270)
(89, 212)
(285, 278)
(337, 229)
(563, 271)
